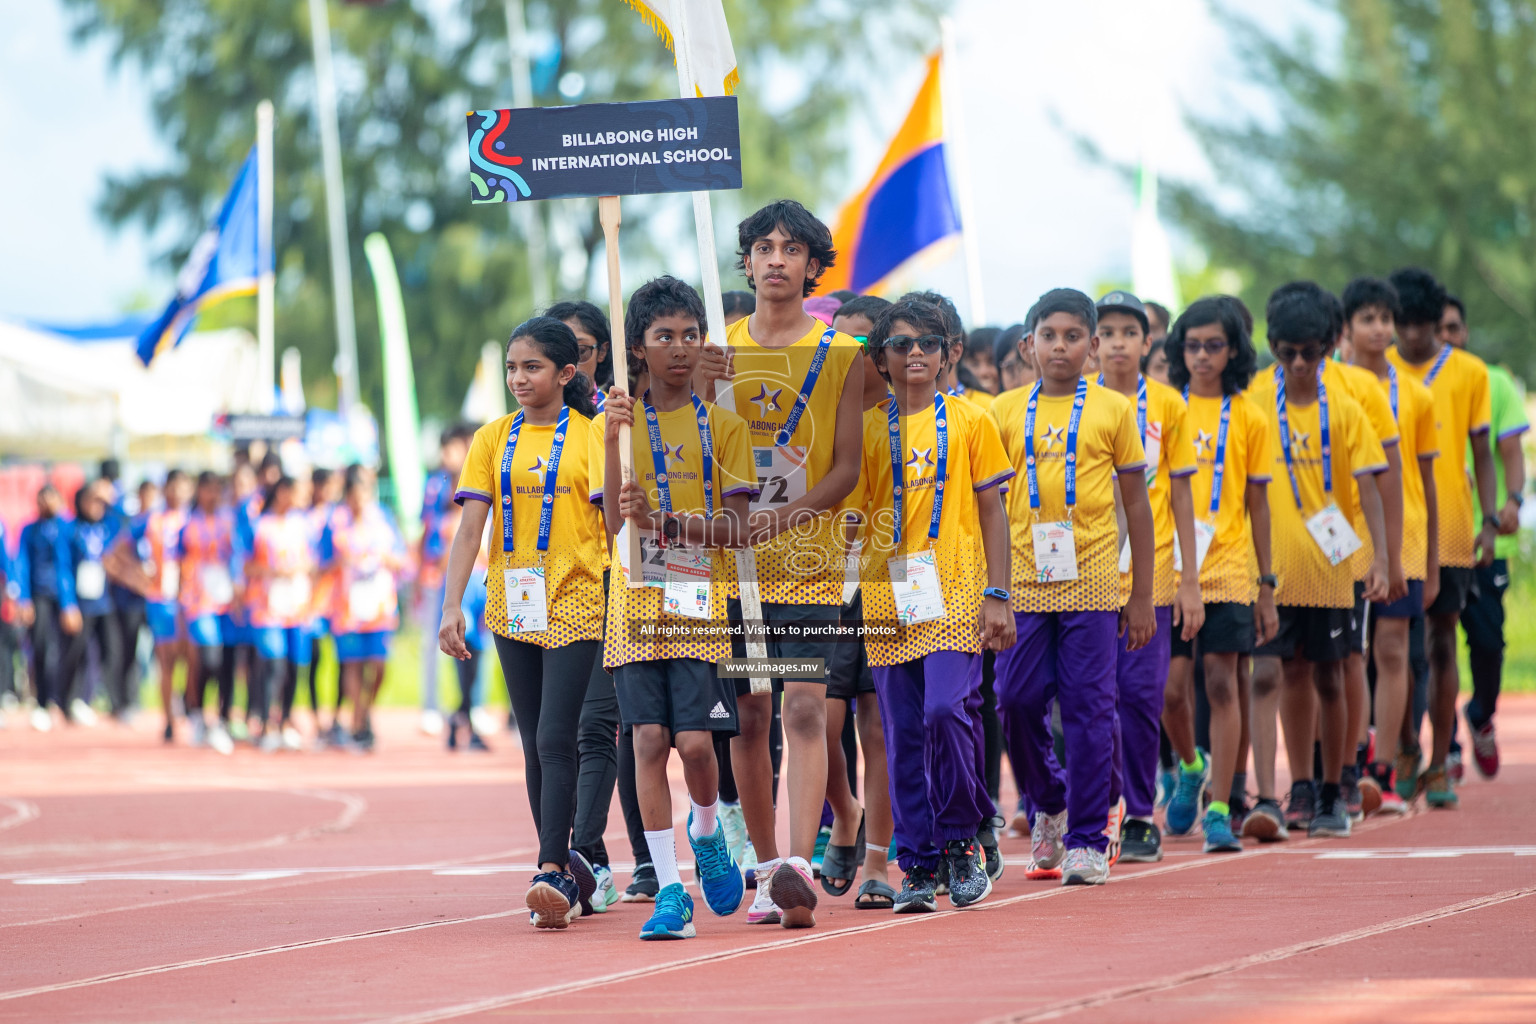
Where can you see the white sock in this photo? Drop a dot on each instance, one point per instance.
(765, 867)
(663, 847)
(703, 824)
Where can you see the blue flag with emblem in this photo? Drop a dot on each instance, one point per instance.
(226, 261)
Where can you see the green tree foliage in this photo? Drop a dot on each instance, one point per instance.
(1412, 141)
(407, 72)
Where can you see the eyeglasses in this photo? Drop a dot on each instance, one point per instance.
(929, 343)
(1290, 353)
(585, 352)
(1210, 348)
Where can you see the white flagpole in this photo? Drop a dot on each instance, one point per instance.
(266, 302)
(714, 309)
(335, 205)
(522, 96)
(959, 161)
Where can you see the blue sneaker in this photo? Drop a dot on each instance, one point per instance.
(673, 916)
(719, 876)
(823, 837)
(552, 900)
(1184, 808)
(1218, 834)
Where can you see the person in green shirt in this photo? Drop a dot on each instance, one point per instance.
(1483, 618)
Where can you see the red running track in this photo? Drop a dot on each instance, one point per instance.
(144, 883)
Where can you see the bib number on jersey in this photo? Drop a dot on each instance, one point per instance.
(780, 476)
(1333, 534)
(217, 585)
(916, 588)
(90, 581)
(288, 596)
(1055, 552)
(527, 600)
(653, 559)
(170, 580)
(368, 597)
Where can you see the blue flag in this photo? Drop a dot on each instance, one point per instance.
(224, 262)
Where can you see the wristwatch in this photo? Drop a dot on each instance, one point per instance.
(997, 592)
(1269, 580)
(672, 529)
(1517, 498)
(1492, 521)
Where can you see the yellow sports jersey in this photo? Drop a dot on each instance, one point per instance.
(732, 473)
(1168, 433)
(981, 399)
(1306, 578)
(1418, 439)
(573, 565)
(975, 465)
(1360, 384)
(1107, 444)
(1462, 409)
(804, 564)
(1230, 572)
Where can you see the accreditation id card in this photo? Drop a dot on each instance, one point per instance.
(1153, 447)
(1204, 534)
(90, 581)
(1055, 551)
(686, 591)
(1333, 534)
(915, 587)
(527, 600)
(288, 596)
(217, 585)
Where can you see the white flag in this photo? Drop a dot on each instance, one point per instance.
(711, 58)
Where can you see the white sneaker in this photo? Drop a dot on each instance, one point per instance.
(763, 909)
(431, 722)
(271, 741)
(1046, 838)
(292, 739)
(485, 723)
(792, 890)
(1085, 866)
(218, 739)
(735, 825)
(82, 713)
(1112, 831)
(606, 894)
(199, 730)
(41, 720)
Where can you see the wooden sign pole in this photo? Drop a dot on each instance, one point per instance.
(608, 213)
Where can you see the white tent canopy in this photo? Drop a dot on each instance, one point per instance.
(66, 399)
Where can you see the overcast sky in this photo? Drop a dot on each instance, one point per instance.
(1030, 74)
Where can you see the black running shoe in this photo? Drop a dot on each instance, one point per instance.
(917, 895)
(1140, 842)
(1302, 805)
(941, 876)
(642, 885)
(1349, 787)
(586, 881)
(1331, 822)
(987, 837)
(969, 883)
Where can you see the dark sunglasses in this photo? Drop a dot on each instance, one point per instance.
(1210, 348)
(1290, 353)
(929, 343)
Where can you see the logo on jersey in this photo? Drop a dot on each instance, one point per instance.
(1053, 436)
(921, 459)
(1203, 441)
(674, 452)
(538, 466)
(767, 401)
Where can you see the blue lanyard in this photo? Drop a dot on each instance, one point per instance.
(659, 455)
(599, 399)
(1219, 466)
(1285, 433)
(1434, 371)
(1392, 386)
(1141, 405)
(551, 472)
(817, 361)
(898, 477)
(1071, 454)
(958, 391)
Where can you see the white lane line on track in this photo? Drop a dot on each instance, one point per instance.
(352, 808)
(145, 972)
(22, 811)
(235, 893)
(1055, 1011)
(580, 985)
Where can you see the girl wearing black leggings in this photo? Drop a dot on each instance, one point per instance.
(540, 470)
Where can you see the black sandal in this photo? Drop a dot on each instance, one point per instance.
(841, 864)
(881, 896)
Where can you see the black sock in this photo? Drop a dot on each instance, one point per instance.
(1329, 796)
(1360, 751)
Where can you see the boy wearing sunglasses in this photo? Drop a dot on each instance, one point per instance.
(935, 574)
(1069, 439)
(1320, 440)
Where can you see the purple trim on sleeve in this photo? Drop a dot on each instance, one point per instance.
(1389, 442)
(1260, 479)
(994, 481)
(1478, 430)
(748, 489)
(1515, 431)
(467, 494)
(1380, 467)
(1191, 471)
(1135, 467)
(595, 498)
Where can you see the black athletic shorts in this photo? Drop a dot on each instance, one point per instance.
(1357, 620)
(1408, 606)
(1228, 629)
(683, 694)
(848, 673)
(782, 618)
(1317, 634)
(1456, 586)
